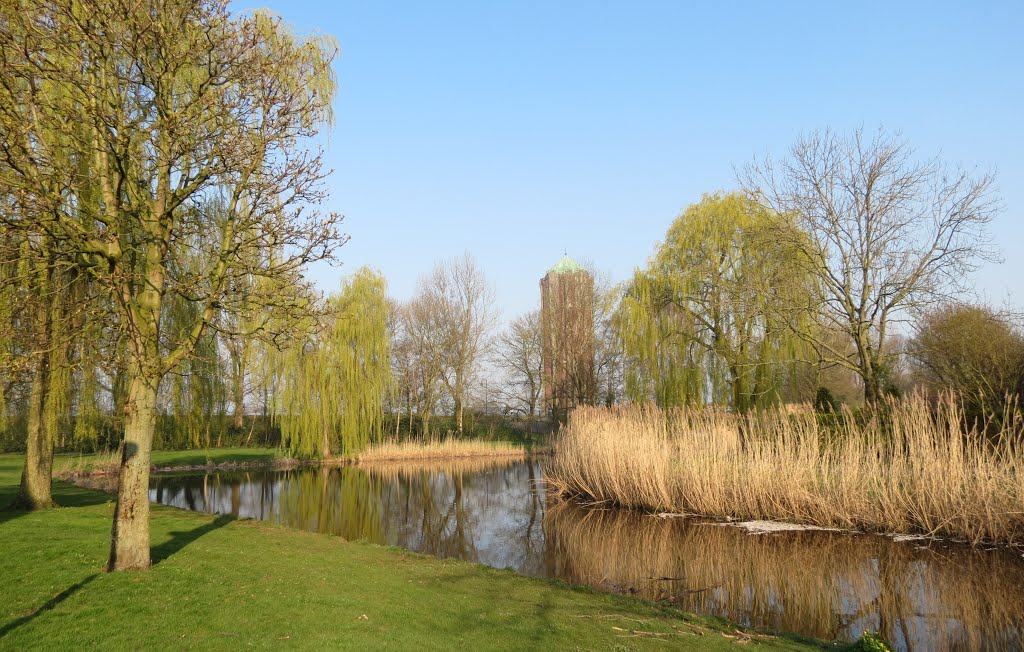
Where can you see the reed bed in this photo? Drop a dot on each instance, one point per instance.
(908, 468)
(442, 449)
(452, 467)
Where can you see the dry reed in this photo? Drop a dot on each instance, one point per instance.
(392, 468)
(444, 449)
(913, 471)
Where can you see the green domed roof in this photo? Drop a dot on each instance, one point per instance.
(566, 266)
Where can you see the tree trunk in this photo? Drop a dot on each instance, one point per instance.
(868, 362)
(408, 410)
(872, 382)
(37, 476)
(325, 446)
(238, 391)
(266, 416)
(529, 417)
(458, 415)
(35, 491)
(238, 418)
(129, 547)
(872, 388)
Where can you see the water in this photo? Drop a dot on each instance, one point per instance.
(823, 584)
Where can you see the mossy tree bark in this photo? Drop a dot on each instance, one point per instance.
(129, 547)
(35, 491)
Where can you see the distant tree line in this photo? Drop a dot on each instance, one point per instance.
(835, 274)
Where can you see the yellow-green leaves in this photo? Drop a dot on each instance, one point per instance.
(334, 381)
(712, 316)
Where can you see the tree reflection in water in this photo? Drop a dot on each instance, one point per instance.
(822, 584)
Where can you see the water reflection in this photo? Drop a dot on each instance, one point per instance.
(490, 513)
(820, 584)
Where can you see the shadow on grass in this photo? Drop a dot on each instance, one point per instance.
(69, 495)
(181, 538)
(48, 605)
(64, 495)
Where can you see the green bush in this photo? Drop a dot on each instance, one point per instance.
(871, 642)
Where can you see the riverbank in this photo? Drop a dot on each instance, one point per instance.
(75, 467)
(219, 582)
(916, 474)
(68, 466)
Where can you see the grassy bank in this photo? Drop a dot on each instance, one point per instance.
(221, 583)
(68, 464)
(919, 473)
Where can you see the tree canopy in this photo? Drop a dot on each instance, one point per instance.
(334, 382)
(712, 317)
(881, 232)
(119, 121)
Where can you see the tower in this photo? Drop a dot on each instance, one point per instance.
(567, 337)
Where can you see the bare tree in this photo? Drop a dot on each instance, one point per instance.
(608, 353)
(418, 359)
(882, 233)
(399, 398)
(463, 311)
(518, 353)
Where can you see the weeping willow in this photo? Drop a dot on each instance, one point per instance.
(9, 289)
(194, 393)
(89, 418)
(715, 316)
(333, 384)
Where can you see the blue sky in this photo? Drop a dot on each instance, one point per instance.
(519, 130)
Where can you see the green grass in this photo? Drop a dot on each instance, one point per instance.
(216, 456)
(194, 457)
(220, 583)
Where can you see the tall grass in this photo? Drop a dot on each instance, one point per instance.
(909, 467)
(446, 449)
(459, 466)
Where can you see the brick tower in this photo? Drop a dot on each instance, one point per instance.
(567, 334)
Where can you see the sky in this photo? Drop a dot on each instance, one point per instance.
(522, 130)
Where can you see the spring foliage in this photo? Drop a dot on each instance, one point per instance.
(334, 381)
(712, 318)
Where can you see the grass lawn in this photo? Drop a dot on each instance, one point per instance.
(224, 583)
(198, 456)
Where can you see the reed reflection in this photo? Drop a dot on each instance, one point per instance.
(822, 584)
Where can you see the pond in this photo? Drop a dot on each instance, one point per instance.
(919, 595)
